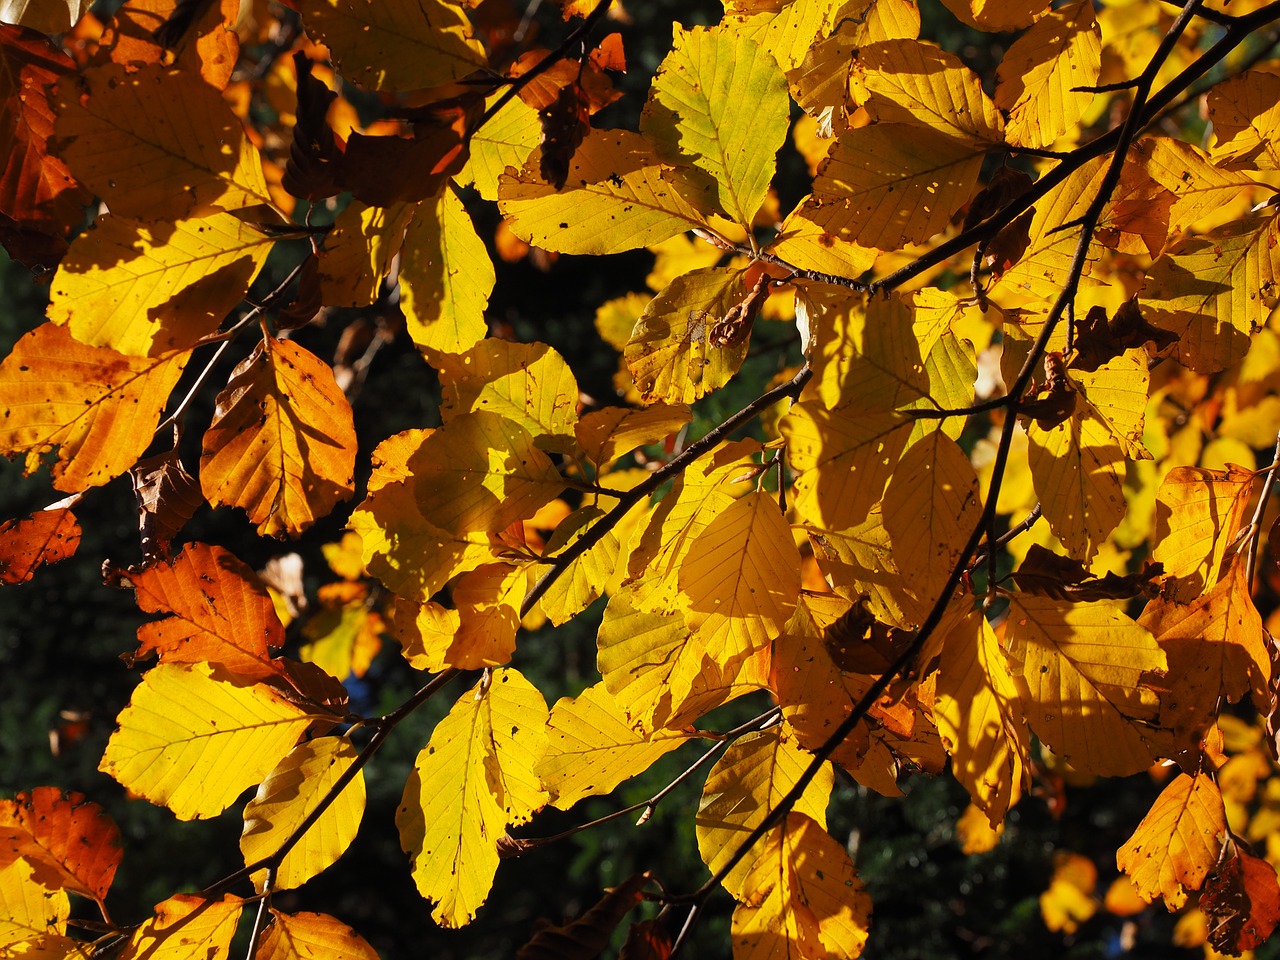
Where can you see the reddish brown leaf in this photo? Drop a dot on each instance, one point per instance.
(1241, 900)
(585, 937)
(1056, 402)
(646, 940)
(167, 497)
(386, 170)
(218, 612)
(564, 124)
(46, 536)
(311, 172)
(1099, 339)
(64, 833)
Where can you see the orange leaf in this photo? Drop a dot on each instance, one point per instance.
(218, 612)
(311, 936)
(1241, 901)
(64, 832)
(46, 536)
(99, 406)
(282, 444)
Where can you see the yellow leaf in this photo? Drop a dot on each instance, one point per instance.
(612, 432)
(592, 748)
(890, 184)
(1245, 114)
(28, 907)
(741, 578)
(1078, 470)
(282, 445)
(1042, 79)
(584, 580)
(288, 795)
(343, 557)
(803, 243)
(1122, 898)
(193, 742)
(858, 563)
(358, 251)
(98, 406)
(396, 44)
(1069, 900)
(744, 786)
(1205, 510)
(473, 779)
(996, 16)
(505, 141)
(1214, 290)
(155, 143)
(1201, 188)
(186, 927)
(980, 717)
(616, 199)
(1081, 667)
(802, 898)
(343, 640)
(930, 508)
(660, 676)
(481, 629)
(1177, 844)
(786, 33)
(672, 354)
(975, 833)
(446, 275)
(914, 82)
(481, 472)
(311, 936)
(146, 289)
(720, 103)
(1116, 396)
(528, 383)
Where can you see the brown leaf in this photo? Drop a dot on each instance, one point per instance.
(1009, 245)
(45, 536)
(167, 498)
(1006, 184)
(588, 935)
(647, 940)
(1099, 339)
(384, 170)
(1048, 574)
(312, 171)
(564, 124)
(1241, 900)
(1056, 402)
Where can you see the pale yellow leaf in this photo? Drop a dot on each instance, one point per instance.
(193, 742)
(1116, 396)
(583, 581)
(744, 786)
(288, 795)
(787, 32)
(505, 141)
(593, 748)
(472, 780)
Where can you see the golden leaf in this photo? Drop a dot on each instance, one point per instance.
(286, 798)
(1206, 509)
(30, 908)
(473, 779)
(186, 927)
(282, 445)
(311, 936)
(1069, 900)
(358, 252)
(1246, 121)
(98, 406)
(481, 629)
(605, 435)
(1177, 844)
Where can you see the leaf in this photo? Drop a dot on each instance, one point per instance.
(741, 577)
(505, 141)
(1115, 395)
(605, 435)
(100, 407)
(288, 796)
(481, 472)
(801, 898)
(311, 936)
(587, 577)
(527, 383)
(57, 16)
(144, 290)
(193, 742)
(64, 833)
(33, 911)
(930, 508)
(1246, 122)
(1069, 900)
(187, 149)
(1078, 471)
(1206, 509)
(890, 184)
(445, 276)
(617, 199)
(995, 16)
(167, 497)
(592, 748)
(344, 637)
(46, 536)
(745, 785)
(720, 103)
(481, 629)
(1241, 900)
(358, 252)
(282, 444)
(585, 937)
(672, 354)
(397, 45)
(975, 833)
(216, 610)
(980, 718)
(1081, 681)
(1215, 290)
(473, 779)
(1202, 189)
(186, 927)
(1177, 844)
(1042, 79)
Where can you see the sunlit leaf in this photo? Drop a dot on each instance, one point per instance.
(473, 779)
(480, 630)
(1206, 509)
(1246, 121)
(46, 536)
(358, 252)
(311, 936)
(30, 910)
(186, 927)
(64, 833)
(607, 434)
(1069, 900)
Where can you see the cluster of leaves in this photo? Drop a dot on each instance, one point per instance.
(874, 561)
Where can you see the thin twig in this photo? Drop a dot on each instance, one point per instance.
(260, 919)
(1255, 525)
